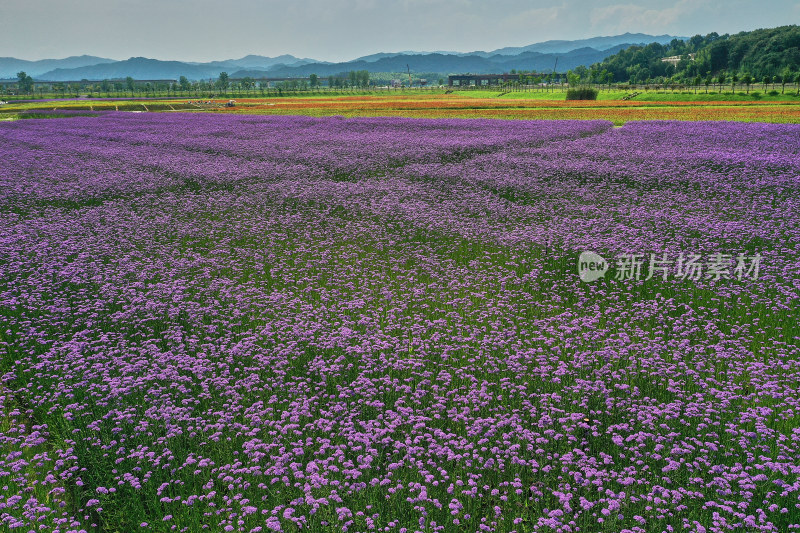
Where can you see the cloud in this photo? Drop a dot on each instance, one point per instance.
(631, 17)
(535, 18)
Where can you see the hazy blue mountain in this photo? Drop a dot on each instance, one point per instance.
(140, 68)
(155, 69)
(445, 64)
(392, 63)
(598, 43)
(261, 62)
(9, 66)
(382, 55)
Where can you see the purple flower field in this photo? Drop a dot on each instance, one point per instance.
(248, 323)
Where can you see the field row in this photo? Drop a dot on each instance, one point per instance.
(452, 106)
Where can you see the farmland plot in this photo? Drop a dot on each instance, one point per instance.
(250, 323)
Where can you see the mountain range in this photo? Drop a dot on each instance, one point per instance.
(538, 57)
(9, 66)
(443, 64)
(98, 68)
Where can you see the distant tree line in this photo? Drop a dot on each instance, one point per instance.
(354, 78)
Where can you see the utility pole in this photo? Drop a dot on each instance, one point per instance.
(554, 69)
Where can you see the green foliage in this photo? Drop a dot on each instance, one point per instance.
(25, 82)
(247, 83)
(222, 81)
(582, 93)
(572, 78)
(353, 78)
(764, 52)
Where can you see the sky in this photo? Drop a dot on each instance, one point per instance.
(339, 30)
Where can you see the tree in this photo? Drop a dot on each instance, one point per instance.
(747, 79)
(129, 84)
(363, 78)
(797, 81)
(786, 76)
(573, 79)
(222, 81)
(608, 77)
(313, 80)
(25, 82)
(183, 81)
(721, 80)
(767, 80)
(734, 79)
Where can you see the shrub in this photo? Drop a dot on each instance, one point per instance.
(773, 93)
(582, 93)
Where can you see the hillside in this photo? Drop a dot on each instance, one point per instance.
(143, 68)
(9, 66)
(759, 53)
(444, 64)
(598, 43)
